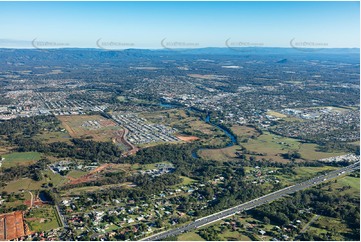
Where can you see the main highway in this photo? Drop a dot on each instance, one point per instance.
(254, 203)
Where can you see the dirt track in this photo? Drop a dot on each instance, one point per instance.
(90, 176)
(187, 138)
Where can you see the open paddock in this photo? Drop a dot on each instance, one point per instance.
(244, 132)
(270, 147)
(20, 158)
(22, 184)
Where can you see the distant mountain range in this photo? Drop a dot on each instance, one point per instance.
(91, 55)
(8, 44)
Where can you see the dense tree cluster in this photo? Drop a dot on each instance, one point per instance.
(79, 149)
(28, 126)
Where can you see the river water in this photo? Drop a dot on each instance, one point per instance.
(207, 120)
(231, 136)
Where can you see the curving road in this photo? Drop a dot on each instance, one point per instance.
(254, 203)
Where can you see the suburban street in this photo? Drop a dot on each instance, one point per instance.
(255, 202)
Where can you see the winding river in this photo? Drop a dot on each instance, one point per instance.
(231, 136)
(207, 120)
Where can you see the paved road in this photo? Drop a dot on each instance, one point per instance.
(254, 203)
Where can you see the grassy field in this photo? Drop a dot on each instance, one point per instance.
(43, 218)
(187, 180)
(121, 98)
(356, 143)
(347, 180)
(326, 224)
(304, 173)
(80, 126)
(234, 236)
(226, 235)
(29, 184)
(244, 132)
(222, 155)
(276, 114)
(191, 236)
(80, 190)
(56, 179)
(153, 165)
(271, 146)
(76, 174)
(354, 182)
(22, 184)
(14, 201)
(53, 136)
(310, 152)
(20, 158)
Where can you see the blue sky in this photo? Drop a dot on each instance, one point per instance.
(198, 24)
